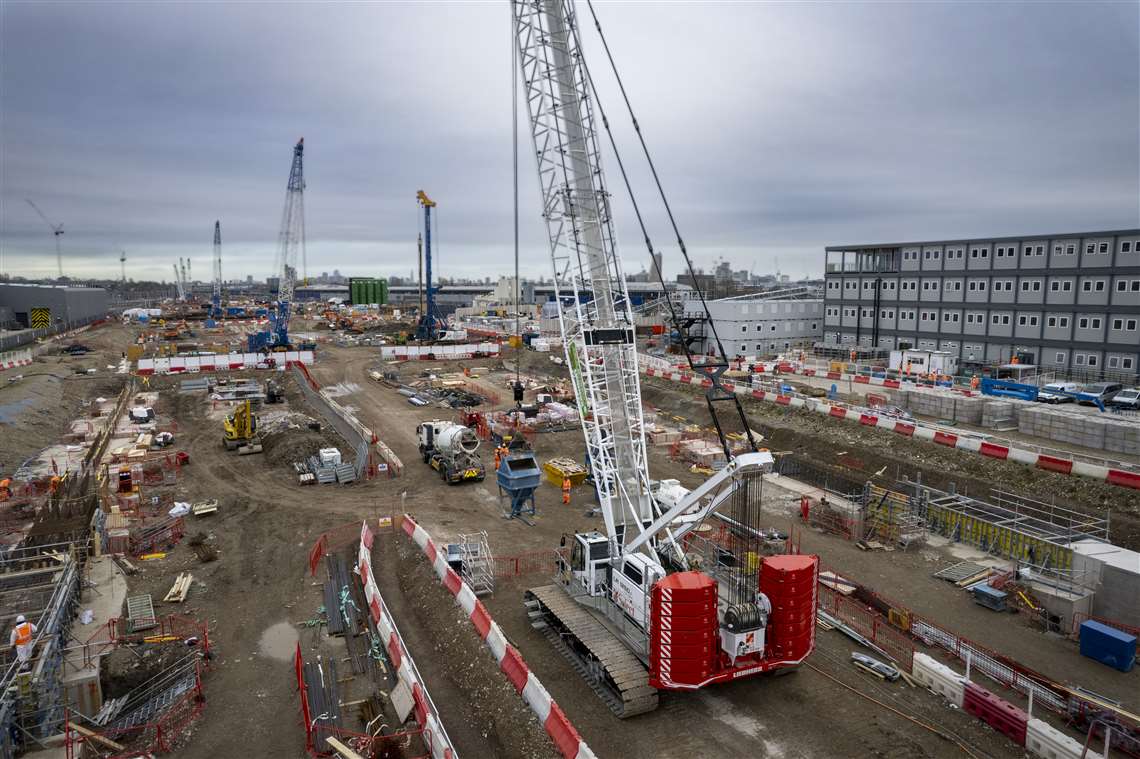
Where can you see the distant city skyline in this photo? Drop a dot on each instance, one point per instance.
(776, 128)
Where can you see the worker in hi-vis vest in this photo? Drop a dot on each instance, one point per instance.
(565, 490)
(22, 639)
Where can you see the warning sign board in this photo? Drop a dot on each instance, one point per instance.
(41, 318)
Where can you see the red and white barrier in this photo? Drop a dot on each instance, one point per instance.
(919, 431)
(13, 359)
(939, 678)
(438, 352)
(424, 710)
(217, 362)
(557, 725)
(1046, 741)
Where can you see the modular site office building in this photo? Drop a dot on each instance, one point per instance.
(758, 324)
(1069, 303)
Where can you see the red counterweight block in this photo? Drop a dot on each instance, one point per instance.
(683, 639)
(789, 581)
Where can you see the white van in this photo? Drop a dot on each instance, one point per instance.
(1049, 394)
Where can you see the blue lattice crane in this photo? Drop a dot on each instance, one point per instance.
(429, 327)
(291, 245)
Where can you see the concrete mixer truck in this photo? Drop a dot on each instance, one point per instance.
(449, 448)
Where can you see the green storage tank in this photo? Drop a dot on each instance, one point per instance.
(367, 290)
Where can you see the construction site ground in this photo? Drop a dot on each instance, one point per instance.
(446, 511)
(266, 524)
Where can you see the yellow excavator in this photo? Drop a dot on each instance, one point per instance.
(239, 431)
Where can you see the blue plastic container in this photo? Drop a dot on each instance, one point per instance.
(1107, 645)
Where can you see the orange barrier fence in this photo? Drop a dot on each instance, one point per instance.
(530, 562)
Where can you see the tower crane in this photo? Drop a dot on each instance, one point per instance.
(428, 328)
(678, 628)
(216, 299)
(57, 232)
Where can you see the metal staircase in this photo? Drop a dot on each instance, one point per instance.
(156, 696)
(478, 564)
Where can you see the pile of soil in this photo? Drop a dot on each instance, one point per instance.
(284, 447)
(502, 717)
(128, 667)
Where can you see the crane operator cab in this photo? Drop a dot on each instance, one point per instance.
(590, 562)
(629, 578)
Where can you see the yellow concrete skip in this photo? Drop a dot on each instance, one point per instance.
(559, 468)
(152, 556)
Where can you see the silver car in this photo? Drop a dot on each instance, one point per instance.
(1099, 391)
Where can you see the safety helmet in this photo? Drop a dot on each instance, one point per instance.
(20, 619)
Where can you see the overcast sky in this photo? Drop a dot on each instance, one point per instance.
(777, 129)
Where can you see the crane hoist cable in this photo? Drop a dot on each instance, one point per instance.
(711, 370)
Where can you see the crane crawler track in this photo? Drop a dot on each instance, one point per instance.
(604, 662)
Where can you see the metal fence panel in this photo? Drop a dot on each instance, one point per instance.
(328, 410)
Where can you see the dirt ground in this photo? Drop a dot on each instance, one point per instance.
(752, 709)
(267, 523)
(483, 715)
(37, 408)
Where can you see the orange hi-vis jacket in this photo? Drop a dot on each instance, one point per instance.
(24, 634)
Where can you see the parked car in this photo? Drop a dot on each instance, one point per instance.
(1049, 394)
(1128, 399)
(1098, 391)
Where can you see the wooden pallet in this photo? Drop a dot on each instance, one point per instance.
(178, 591)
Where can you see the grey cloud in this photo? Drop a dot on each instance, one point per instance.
(778, 128)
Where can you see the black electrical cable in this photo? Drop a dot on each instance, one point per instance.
(656, 180)
(713, 371)
(515, 159)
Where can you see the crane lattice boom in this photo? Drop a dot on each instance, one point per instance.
(291, 242)
(216, 299)
(56, 230)
(597, 326)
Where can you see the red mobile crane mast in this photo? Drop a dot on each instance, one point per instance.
(627, 605)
